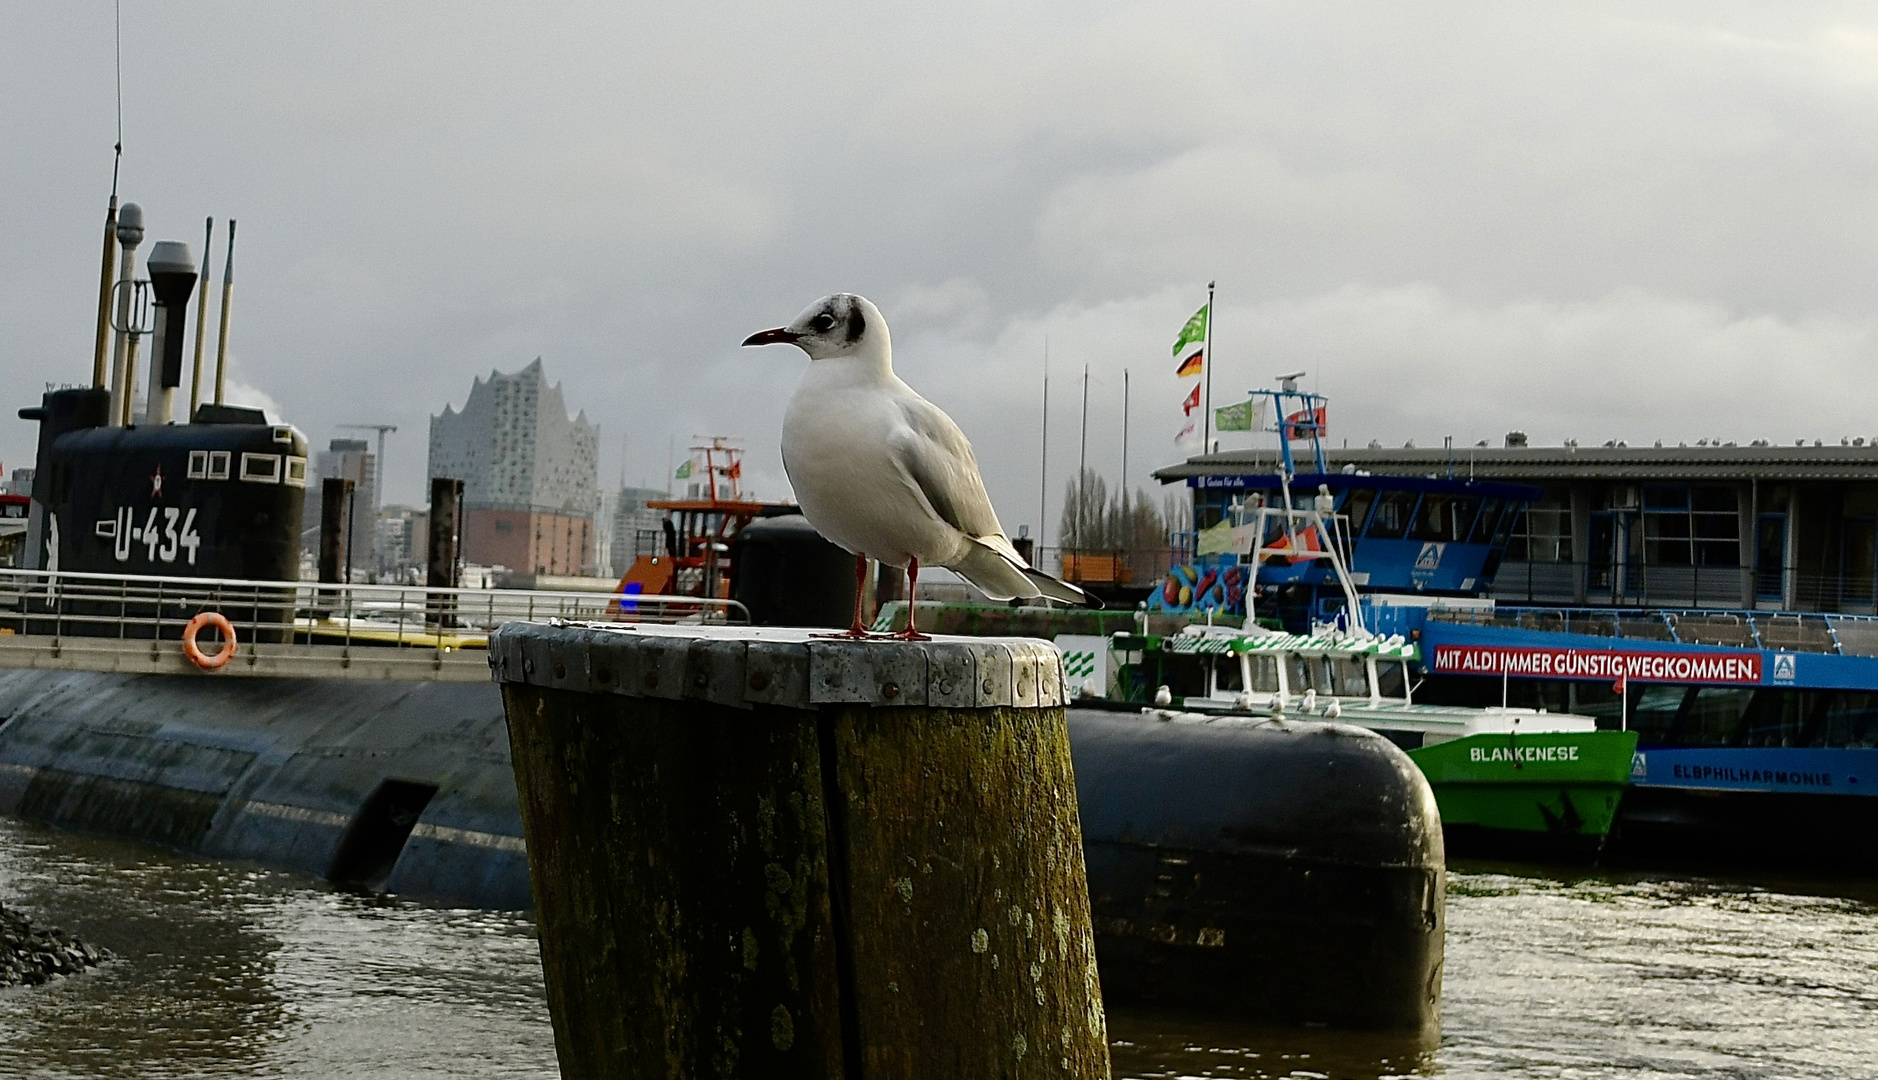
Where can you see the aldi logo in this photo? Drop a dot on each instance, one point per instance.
(1783, 667)
(1430, 557)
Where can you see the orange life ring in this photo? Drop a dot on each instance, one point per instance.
(197, 656)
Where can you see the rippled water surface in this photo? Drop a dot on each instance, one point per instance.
(229, 970)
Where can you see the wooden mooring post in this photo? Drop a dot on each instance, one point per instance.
(759, 853)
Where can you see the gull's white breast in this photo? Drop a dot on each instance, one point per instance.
(838, 449)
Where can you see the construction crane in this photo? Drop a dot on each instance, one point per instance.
(378, 485)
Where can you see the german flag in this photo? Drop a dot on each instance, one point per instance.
(1192, 364)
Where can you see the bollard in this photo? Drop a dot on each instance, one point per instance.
(755, 852)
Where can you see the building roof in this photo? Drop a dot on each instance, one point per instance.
(1538, 463)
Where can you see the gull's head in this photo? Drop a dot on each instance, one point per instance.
(840, 325)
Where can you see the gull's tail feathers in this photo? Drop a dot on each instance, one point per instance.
(1002, 576)
(1061, 591)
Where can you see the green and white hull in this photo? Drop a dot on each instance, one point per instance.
(1497, 791)
(1508, 781)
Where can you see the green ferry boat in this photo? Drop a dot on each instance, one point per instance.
(1508, 780)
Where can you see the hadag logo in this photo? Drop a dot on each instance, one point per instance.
(1430, 556)
(1639, 765)
(1783, 667)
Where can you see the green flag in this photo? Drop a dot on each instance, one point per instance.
(684, 471)
(1234, 417)
(1195, 330)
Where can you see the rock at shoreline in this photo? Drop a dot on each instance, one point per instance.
(32, 955)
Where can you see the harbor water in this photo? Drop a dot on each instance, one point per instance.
(233, 970)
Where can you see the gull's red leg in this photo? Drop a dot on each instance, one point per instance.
(860, 594)
(855, 632)
(911, 633)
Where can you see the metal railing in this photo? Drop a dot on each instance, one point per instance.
(137, 607)
(1720, 587)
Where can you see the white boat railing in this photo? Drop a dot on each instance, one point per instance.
(66, 604)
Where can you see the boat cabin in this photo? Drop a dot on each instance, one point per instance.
(1367, 681)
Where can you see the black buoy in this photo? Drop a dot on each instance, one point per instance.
(787, 574)
(1270, 871)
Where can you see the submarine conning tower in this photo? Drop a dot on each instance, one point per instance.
(217, 496)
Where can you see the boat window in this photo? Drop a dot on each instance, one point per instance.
(218, 464)
(1264, 673)
(1851, 719)
(1356, 507)
(1391, 679)
(1463, 514)
(1786, 717)
(1349, 677)
(1489, 516)
(261, 468)
(198, 464)
(1713, 716)
(1443, 518)
(1504, 530)
(1226, 674)
(1184, 676)
(1433, 521)
(1391, 517)
(1302, 675)
(1652, 714)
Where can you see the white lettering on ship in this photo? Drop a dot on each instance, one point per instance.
(168, 531)
(1522, 753)
(1599, 664)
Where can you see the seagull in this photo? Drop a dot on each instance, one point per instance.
(883, 472)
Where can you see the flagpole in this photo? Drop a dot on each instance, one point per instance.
(1124, 436)
(1043, 462)
(1206, 416)
(1082, 454)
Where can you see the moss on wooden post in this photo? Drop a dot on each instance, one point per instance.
(757, 853)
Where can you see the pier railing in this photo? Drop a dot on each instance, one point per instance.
(1787, 631)
(138, 606)
(88, 621)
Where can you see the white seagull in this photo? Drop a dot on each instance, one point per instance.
(885, 473)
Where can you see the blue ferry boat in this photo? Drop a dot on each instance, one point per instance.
(1757, 731)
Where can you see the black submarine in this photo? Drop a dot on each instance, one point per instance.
(1318, 850)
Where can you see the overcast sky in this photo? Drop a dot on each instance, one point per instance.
(1636, 221)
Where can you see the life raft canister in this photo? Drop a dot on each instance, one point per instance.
(196, 655)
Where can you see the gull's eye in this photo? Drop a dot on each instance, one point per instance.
(822, 323)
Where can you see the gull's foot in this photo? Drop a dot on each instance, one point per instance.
(853, 633)
(909, 635)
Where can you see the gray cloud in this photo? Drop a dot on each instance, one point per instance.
(1594, 221)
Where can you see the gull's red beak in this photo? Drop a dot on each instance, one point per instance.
(782, 335)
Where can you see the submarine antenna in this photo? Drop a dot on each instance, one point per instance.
(221, 339)
(202, 319)
(105, 278)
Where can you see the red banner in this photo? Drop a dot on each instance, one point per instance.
(1662, 667)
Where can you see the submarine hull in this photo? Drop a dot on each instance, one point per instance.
(1287, 873)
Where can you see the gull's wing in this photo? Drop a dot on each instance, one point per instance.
(938, 458)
